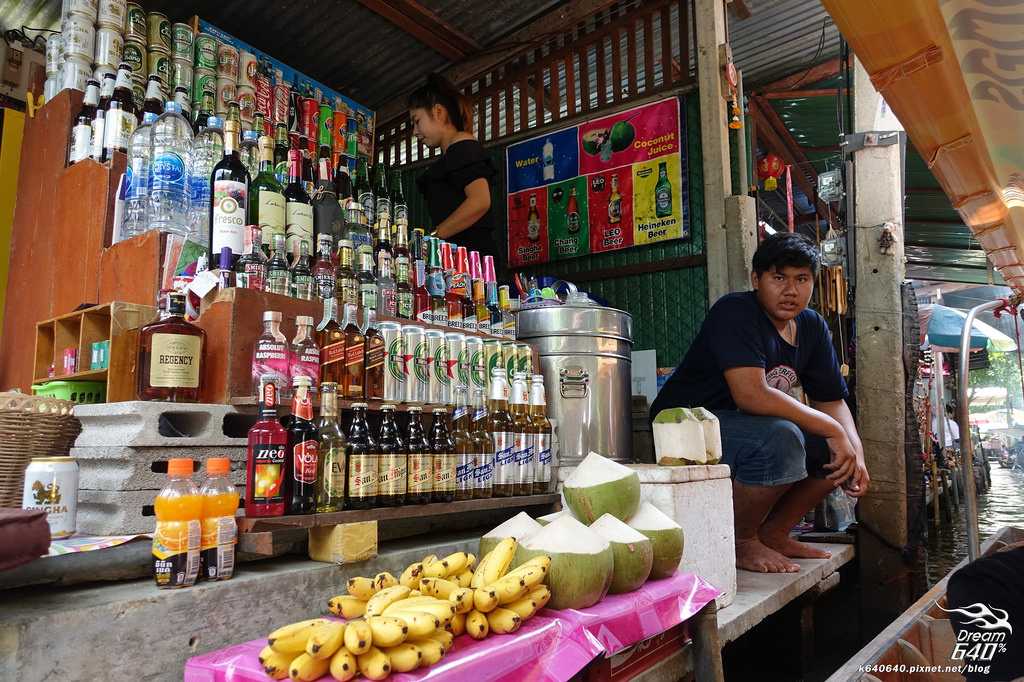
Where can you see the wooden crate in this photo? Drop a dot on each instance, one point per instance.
(135, 270)
(116, 322)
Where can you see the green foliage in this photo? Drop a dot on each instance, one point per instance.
(1002, 371)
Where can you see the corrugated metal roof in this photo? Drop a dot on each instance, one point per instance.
(40, 14)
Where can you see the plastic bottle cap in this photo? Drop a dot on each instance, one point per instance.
(179, 466)
(218, 465)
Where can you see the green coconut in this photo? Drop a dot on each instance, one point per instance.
(582, 562)
(623, 134)
(666, 539)
(548, 518)
(600, 486)
(632, 551)
(520, 527)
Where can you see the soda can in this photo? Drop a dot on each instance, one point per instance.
(282, 94)
(159, 65)
(458, 363)
(111, 14)
(477, 366)
(182, 74)
(246, 103)
(158, 32)
(134, 54)
(339, 128)
(135, 27)
(205, 47)
(248, 66)
(493, 359)
(182, 41)
(326, 126)
(438, 387)
(82, 8)
(394, 376)
(54, 53)
(226, 92)
(109, 47)
(524, 359)
(508, 356)
(415, 366)
(227, 62)
(51, 485)
(79, 37)
(309, 122)
(75, 73)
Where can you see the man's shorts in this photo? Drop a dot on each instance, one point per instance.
(770, 451)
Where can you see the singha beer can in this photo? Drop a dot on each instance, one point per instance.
(477, 367)
(51, 484)
(492, 360)
(524, 359)
(458, 363)
(438, 386)
(415, 364)
(394, 361)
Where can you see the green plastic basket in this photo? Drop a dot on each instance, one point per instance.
(80, 392)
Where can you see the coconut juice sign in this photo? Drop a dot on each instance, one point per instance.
(607, 184)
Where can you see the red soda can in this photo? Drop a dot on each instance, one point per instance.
(339, 131)
(282, 92)
(309, 123)
(264, 96)
(294, 140)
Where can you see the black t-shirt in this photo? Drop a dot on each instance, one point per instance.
(738, 333)
(443, 185)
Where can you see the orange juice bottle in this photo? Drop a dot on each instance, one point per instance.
(220, 502)
(176, 540)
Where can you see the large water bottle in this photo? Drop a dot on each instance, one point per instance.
(207, 151)
(136, 199)
(169, 176)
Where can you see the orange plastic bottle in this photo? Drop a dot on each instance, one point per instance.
(176, 540)
(220, 531)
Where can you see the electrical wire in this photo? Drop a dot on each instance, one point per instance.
(817, 53)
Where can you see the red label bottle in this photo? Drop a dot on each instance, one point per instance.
(303, 449)
(268, 469)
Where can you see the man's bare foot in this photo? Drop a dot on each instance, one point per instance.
(751, 555)
(794, 549)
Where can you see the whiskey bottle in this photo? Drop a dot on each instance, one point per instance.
(170, 360)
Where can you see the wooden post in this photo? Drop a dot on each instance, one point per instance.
(741, 140)
(709, 16)
(707, 648)
(880, 374)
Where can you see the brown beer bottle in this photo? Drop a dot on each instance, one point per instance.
(465, 452)
(541, 430)
(483, 445)
(376, 352)
(393, 464)
(355, 349)
(421, 459)
(503, 436)
(441, 447)
(331, 339)
(522, 426)
(362, 462)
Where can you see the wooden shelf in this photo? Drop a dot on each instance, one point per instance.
(372, 405)
(87, 375)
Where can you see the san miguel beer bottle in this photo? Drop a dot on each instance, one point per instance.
(303, 448)
(541, 430)
(503, 434)
(483, 444)
(392, 462)
(421, 467)
(444, 460)
(522, 428)
(465, 452)
(362, 462)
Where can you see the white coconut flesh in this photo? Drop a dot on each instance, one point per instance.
(581, 562)
(548, 518)
(566, 535)
(595, 470)
(613, 530)
(649, 517)
(520, 527)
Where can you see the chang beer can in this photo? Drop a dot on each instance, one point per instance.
(492, 360)
(508, 356)
(159, 66)
(51, 485)
(524, 359)
(136, 28)
(182, 41)
(414, 352)
(205, 47)
(394, 360)
(158, 32)
(438, 386)
(135, 55)
(476, 367)
(111, 14)
(458, 363)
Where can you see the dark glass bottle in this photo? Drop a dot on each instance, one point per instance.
(279, 277)
(376, 354)
(465, 453)
(303, 286)
(355, 355)
(503, 435)
(80, 143)
(332, 467)
(363, 193)
(367, 282)
(266, 197)
(324, 272)
(204, 113)
(404, 303)
(303, 449)
(442, 449)
(362, 462)
(331, 339)
(229, 197)
(298, 208)
(123, 95)
(107, 89)
(281, 149)
(347, 290)
(342, 181)
(382, 217)
(251, 268)
(170, 361)
(154, 102)
(267, 471)
(484, 445)
(421, 459)
(399, 208)
(393, 463)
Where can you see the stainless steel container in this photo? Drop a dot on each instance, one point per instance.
(585, 356)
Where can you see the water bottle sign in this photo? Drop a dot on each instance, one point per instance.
(169, 171)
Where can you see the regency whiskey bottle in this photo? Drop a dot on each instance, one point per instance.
(170, 361)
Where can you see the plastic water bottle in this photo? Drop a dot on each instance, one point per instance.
(207, 151)
(170, 171)
(250, 153)
(136, 200)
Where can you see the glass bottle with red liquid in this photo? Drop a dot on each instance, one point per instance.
(453, 296)
(303, 449)
(267, 474)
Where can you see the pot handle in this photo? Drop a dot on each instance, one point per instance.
(573, 382)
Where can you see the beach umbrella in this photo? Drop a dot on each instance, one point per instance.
(941, 328)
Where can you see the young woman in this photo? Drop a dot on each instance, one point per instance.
(457, 186)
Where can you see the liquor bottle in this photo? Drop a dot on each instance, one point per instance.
(364, 193)
(533, 220)
(436, 285)
(452, 297)
(303, 449)
(663, 193)
(375, 356)
(522, 428)
(121, 125)
(421, 301)
(367, 282)
(491, 290)
(421, 460)
(107, 89)
(399, 208)
(266, 198)
(229, 191)
(357, 230)
(362, 462)
(614, 202)
(355, 355)
(270, 355)
(572, 213)
(80, 143)
(386, 288)
(298, 209)
(234, 114)
(281, 148)
(382, 213)
(170, 360)
(482, 315)
(342, 181)
(393, 465)
(347, 286)
(324, 273)
(267, 475)
(383, 256)
(304, 353)
(154, 101)
(332, 465)
(279, 277)
(206, 110)
(503, 436)
(251, 268)
(483, 445)
(404, 303)
(442, 449)
(508, 320)
(465, 450)
(544, 478)
(463, 285)
(96, 139)
(331, 338)
(303, 286)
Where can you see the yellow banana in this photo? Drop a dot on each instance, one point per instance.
(464, 579)
(503, 553)
(437, 587)
(343, 665)
(470, 561)
(429, 559)
(525, 607)
(458, 624)
(361, 588)
(531, 576)
(432, 651)
(384, 580)
(385, 598)
(455, 563)
(404, 657)
(346, 606)
(291, 639)
(463, 599)
(420, 624)
(435, 569)
(326, 639)
(411, 575)
(509, 589)
(387, 631)
(415, 593)
(274, 663)
(503, 621)
(485, 600)
(476, 625)
(542, 562)
(442, 610)
(480, 571)
(305, 668)
(540, 594)
(446, 638)
(374, 664)
(358, 637)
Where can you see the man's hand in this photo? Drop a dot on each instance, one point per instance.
(858, 484)
(844, 458)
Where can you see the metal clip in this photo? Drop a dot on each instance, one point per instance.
(573, 382)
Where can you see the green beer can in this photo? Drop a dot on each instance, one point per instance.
(182, 39)
(206, 52)
(134, 55)
(136, 29)
(492, 358)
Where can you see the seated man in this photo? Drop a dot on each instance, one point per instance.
(755, 356)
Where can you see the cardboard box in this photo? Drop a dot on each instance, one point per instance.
(346, 543)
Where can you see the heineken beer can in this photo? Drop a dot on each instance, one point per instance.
(414, 364)
(394, 360)
(508, 356)
(524, 359)
(205, 47)
(182, 41)
(477, 368)
(51, 484)
(492, 360)
(136, 28)
(438, 386)
(458, 376)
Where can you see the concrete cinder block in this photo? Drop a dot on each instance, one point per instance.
(154, 424)
(117, 512)
(131, 468)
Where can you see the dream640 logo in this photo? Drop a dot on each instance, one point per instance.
(982, 636)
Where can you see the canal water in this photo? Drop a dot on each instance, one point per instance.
(1002, 505)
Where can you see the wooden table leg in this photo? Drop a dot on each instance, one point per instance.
(707, 649)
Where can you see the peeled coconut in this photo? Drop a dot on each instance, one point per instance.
(666, 539)
(679, 438)
(581, 562)
(520, 527)
(548, 518)
(600, 486)
(632, 551)
(712, 434)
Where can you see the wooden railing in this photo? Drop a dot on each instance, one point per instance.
(632, 50)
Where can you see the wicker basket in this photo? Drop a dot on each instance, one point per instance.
(31, 426)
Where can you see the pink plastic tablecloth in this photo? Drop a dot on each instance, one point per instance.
(552, 646)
